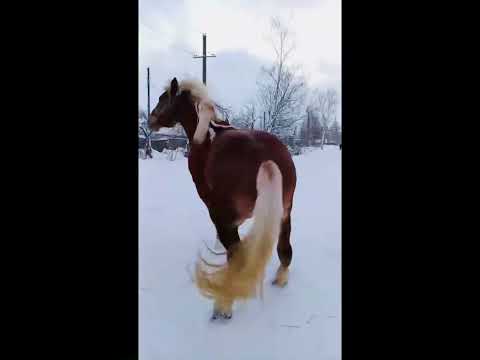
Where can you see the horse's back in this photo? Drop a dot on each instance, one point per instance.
(250, 148)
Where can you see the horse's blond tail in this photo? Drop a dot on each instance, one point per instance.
(242, 276)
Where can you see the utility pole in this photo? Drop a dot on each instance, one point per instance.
(204, 57)
(308, 127)
(148, 146)
(148, 91)
(269, 118)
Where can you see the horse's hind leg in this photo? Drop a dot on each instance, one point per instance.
(229, 238)
(284, 250)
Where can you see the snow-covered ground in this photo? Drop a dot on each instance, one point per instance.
(300, 321)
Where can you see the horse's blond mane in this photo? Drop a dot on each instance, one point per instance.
(197, 89)
(204, 106)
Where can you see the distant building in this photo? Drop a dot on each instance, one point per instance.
(166, 138)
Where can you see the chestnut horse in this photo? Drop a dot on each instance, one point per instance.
(238, 174)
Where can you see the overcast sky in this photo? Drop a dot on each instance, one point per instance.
(238, 34)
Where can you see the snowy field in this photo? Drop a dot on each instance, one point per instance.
(300, 321)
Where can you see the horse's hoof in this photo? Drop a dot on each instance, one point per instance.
(278, 283)
(221, 315)
(281, 278)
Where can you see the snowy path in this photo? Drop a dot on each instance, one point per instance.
(301, 321)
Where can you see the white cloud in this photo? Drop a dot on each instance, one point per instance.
(238, 30)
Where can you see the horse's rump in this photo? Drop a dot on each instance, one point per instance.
(233, 164)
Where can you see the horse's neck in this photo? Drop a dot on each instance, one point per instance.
(197, 161)
(189, 125)
(198, 156)
(196, 120)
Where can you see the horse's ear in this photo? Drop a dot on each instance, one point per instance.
(173, 87)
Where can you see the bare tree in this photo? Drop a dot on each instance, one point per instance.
(311, 130)
(281, 87)
(325, 105)
(225, 112)
(145, 131)
(247, 117)
(142, 118)
(335, 132)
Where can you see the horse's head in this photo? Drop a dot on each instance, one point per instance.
(165, 114)
(187, 103)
